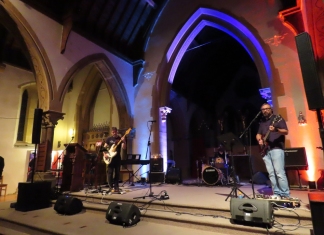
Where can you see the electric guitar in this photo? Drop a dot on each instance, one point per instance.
(264, 146)
(112, 152)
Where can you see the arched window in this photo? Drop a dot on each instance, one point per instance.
(22, 116)
(29, 101)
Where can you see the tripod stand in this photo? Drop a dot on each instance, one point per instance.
(148, 149)
(233, 193)
(229, 140)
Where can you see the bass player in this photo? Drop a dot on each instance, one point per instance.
(271, 138)
(113, 168)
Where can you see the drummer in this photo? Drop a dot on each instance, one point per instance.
(221, 155)
(221, 159)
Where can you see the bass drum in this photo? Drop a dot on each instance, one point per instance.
(211, 175)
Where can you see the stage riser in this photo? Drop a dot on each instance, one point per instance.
(166, 217)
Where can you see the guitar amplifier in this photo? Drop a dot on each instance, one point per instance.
(296, 158)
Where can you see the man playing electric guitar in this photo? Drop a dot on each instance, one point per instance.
(274, 129)
(114, 162)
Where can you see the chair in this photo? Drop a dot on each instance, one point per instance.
(3, 187)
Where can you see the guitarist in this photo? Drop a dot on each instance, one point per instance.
(273, 150)
(114, 166)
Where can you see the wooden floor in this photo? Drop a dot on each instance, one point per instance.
(8, 198)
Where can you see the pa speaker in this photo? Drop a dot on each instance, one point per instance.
(37, 126)
(252, 211)
(33, 196)
(121, 213)
(316, 203)
(68, 205)
(156, 165)
(312, 84)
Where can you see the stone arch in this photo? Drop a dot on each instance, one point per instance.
(112, 80)
(209, 17)
(42, 69)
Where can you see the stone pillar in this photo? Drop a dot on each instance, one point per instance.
(164, 134)
(50, 121)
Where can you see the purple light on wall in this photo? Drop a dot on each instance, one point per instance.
(227, 23)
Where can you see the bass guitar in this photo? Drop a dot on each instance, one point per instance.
(265, 145)
(112, 152)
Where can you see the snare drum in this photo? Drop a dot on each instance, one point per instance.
(211, 175)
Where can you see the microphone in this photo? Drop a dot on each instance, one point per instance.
(259, 113)
(152, 121)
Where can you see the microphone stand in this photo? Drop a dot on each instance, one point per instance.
(250, 143)
(151, 194)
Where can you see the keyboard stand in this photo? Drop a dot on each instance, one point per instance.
(132, 175)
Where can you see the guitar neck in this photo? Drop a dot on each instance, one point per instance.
(119, 142)
(266, 136)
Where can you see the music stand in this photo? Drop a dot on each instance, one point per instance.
(229, 141)
(133, 158)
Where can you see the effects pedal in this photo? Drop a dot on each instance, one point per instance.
(278, 202)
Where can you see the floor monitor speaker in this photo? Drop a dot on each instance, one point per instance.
(68, 205)
(312, 84)
(123, 213)
(252, 211)
(33, 196)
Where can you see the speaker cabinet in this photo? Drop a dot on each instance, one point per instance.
(173, 176)
(121, 213)
(156, 165)
(252, 211)
(68, 205)
(296, 159)
(156, 177)
(316, 203)
(37, 126)
(312, 84)
(33, 196)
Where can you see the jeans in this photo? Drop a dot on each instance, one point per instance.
(275, 163)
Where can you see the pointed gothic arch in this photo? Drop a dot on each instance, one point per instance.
(213, 18)
(107, 73)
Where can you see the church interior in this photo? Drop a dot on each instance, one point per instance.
(181, 80)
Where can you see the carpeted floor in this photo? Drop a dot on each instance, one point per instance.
(191, 209)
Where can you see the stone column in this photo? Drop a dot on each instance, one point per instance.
(50, 121)
(164, 134)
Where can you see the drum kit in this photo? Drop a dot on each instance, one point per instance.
(216, 172)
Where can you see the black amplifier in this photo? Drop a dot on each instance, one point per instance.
(296, 158)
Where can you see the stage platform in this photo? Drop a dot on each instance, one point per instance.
(190, 208)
